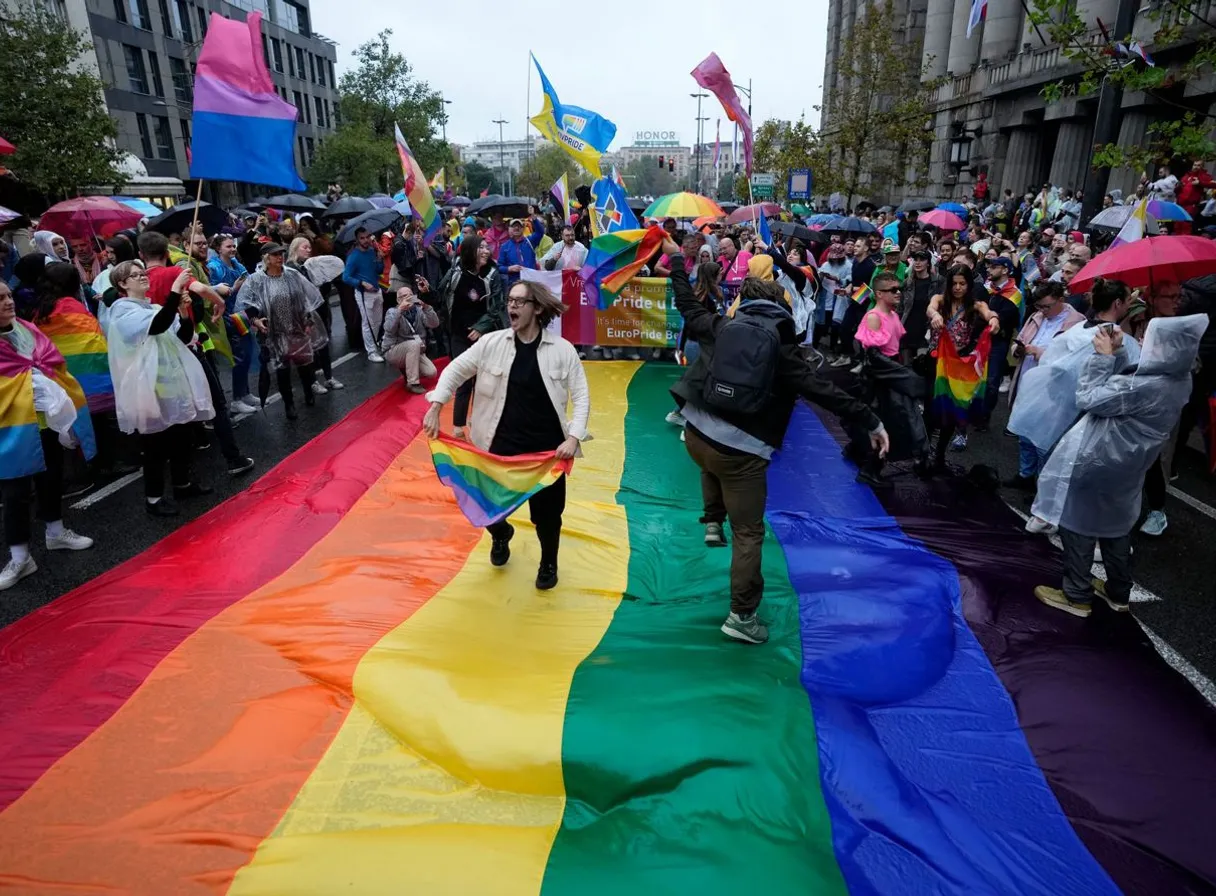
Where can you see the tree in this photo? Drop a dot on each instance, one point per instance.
(784, 146)
(52, 108)
(380, 92)
(878, 114)
(477, 177)
(1187, 134)
(644, 177)
(538, 173)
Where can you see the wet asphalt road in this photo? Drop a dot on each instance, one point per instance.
(1179, 567)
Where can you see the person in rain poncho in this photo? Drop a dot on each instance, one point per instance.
(159, 385)
(282, 303)
(51, 246)
(1092, 482)
(42, 411)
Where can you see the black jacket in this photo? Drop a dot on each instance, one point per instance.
(795, 378)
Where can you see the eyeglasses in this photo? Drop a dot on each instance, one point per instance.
(512, 301)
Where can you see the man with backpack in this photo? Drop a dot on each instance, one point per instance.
(737, 398)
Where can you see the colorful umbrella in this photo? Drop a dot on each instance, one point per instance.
(145, 208)
(1155, 259)
(1167, 211)
(943, 219)
(751, 213)
(89, 216)
(821, 219)
(702, 221)
(799, 209)
(6, 148)
(8, 216)
(683, 205)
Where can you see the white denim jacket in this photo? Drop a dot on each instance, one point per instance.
(490, 360)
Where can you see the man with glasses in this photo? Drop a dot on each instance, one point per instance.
(921, 285)
(362, 273)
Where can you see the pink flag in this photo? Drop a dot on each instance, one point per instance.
(713, 76)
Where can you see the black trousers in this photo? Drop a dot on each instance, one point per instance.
(464, 395)
(1155, 486)
(49, 487)
(223, 426)
(545, 508)
(171, 446)
(283, 376)
(1079, 560)
(323, 358)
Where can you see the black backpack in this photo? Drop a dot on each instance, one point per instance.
(744, 361)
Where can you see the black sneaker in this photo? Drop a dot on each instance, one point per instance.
(240, 466)
(193, 490)
(310, 398)
(291, 412)
(500, 548)
(163, 507)
(546, 576)
(76, 489)
(1021, 483)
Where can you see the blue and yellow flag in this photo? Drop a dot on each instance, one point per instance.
(609, 209)
(584, 134)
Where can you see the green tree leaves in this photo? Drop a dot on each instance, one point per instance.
(538, 173)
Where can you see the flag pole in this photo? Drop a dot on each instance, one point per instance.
(528, 111)
(198, 197)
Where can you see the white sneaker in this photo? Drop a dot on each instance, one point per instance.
(242, 407)
(675, 418)
(318, 389)
(1006, 383)
(375, 357)
(67, 540)
(1154, 523)
(15, 571)
(1036, 526)
(333, 384)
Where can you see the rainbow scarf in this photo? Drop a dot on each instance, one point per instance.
(1008, 289)
(77, 335)
(489, 488)
(20, 423)
(373, 708)
(961, 382)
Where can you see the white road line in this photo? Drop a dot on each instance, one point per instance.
(119, 484)
(1182, 496)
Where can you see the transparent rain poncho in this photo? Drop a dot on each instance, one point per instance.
(1092, 482)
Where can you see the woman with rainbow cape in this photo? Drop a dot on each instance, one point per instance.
(42, 413)
(526, 376)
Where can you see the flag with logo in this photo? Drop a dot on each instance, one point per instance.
(610, 210)
(584, 134)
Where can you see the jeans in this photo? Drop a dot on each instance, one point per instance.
(996, 372)
(49, 486)
(1079, 559)
(735, 486)
(545, 508)
(244, 348)
(1030, 459)
(464, 394)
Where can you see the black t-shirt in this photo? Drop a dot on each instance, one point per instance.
(468, 302)
(917, 319)
(529, 422)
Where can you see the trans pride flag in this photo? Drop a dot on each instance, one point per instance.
(242, 129)
(417, 190)
(489, 488)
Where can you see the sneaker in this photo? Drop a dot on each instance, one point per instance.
(745, 628)
(1036, 526)
(959, 442)
(1006, 383)
(714, 536)
(416, 388)
(1154, 523)
(1021, 483)
(682, 439)
(1117, 606)
(163, 507)
(75, 490)
(15, 571)
(1054, 597)
(291, 412)
(67, 540)
(1097, 552)
(842, 361)
(192, 490)
(375, 357)
(546, 576)
(239, 466)
(675, 418)
(333, 385)
(240, 406)
(500, 549)
(318, 388)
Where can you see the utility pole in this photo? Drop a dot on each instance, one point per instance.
(1107, 119)
(502, 157)
(444, 120)
(696, 150)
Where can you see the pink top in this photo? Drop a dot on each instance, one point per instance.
(736, 271)
(886, 337)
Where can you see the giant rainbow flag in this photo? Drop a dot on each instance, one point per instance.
(361, 704)
(77, 335)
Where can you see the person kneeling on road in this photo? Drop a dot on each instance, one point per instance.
(404, 342)
(738, 397)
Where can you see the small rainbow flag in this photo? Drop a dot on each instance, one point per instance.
(438, 183)
(417, 190)
(863, 293)
(240, 326)
(961, 380)
(489, 488)
(615, 258)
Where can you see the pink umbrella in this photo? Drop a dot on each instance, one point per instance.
(89, 216)
(943, 220)
(1155, 259)
(749, 213)
(6, 148)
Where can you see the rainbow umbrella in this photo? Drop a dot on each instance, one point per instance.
(1167, 211)
(683, 205)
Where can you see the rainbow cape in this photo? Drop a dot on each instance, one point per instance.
(361, 704)
(614, 259)
(77, 335)
(961, 382)
(417, 190)
(489, 488)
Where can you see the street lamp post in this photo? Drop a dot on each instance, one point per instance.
(444, 120)
(502, 157)
(747, 92)
(698, 97)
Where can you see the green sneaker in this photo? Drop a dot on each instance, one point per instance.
(1100, 590)
(1054, 597)
(745, 628)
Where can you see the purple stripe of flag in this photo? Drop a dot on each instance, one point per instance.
(213, 95)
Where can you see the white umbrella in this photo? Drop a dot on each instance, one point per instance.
(323, 268)
(1116, 216)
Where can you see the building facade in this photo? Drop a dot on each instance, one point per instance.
(989, 113)
(145, 51)
(495, 155)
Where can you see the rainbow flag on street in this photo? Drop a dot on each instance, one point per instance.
(961, 380)
(417, 191)
(489, 488)
(77, 335)
(614, 259)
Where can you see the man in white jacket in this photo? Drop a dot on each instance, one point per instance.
(526, 376)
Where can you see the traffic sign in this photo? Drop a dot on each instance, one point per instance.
(763, 185)
(799, 186)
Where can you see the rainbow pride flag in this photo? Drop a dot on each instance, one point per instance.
(417, 190)
(240, 325)
(489, 488)
(863, 294)
(362, 704)
(614, 259)
(77, 335)
(961, 383)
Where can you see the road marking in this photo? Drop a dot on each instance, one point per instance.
(119, 484)
(1182, 496)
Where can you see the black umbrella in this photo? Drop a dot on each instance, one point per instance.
(849, 225)
(729, 207)
(375, 221)
(637, 205)
(799, 232)
(917, 205)
(886, 209)
(295, 202)
(348, 205)
(178, 218)
(460, 200)
(507, 206)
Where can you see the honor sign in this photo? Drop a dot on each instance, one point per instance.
(656, 138)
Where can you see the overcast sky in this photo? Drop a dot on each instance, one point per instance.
(627, 60)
